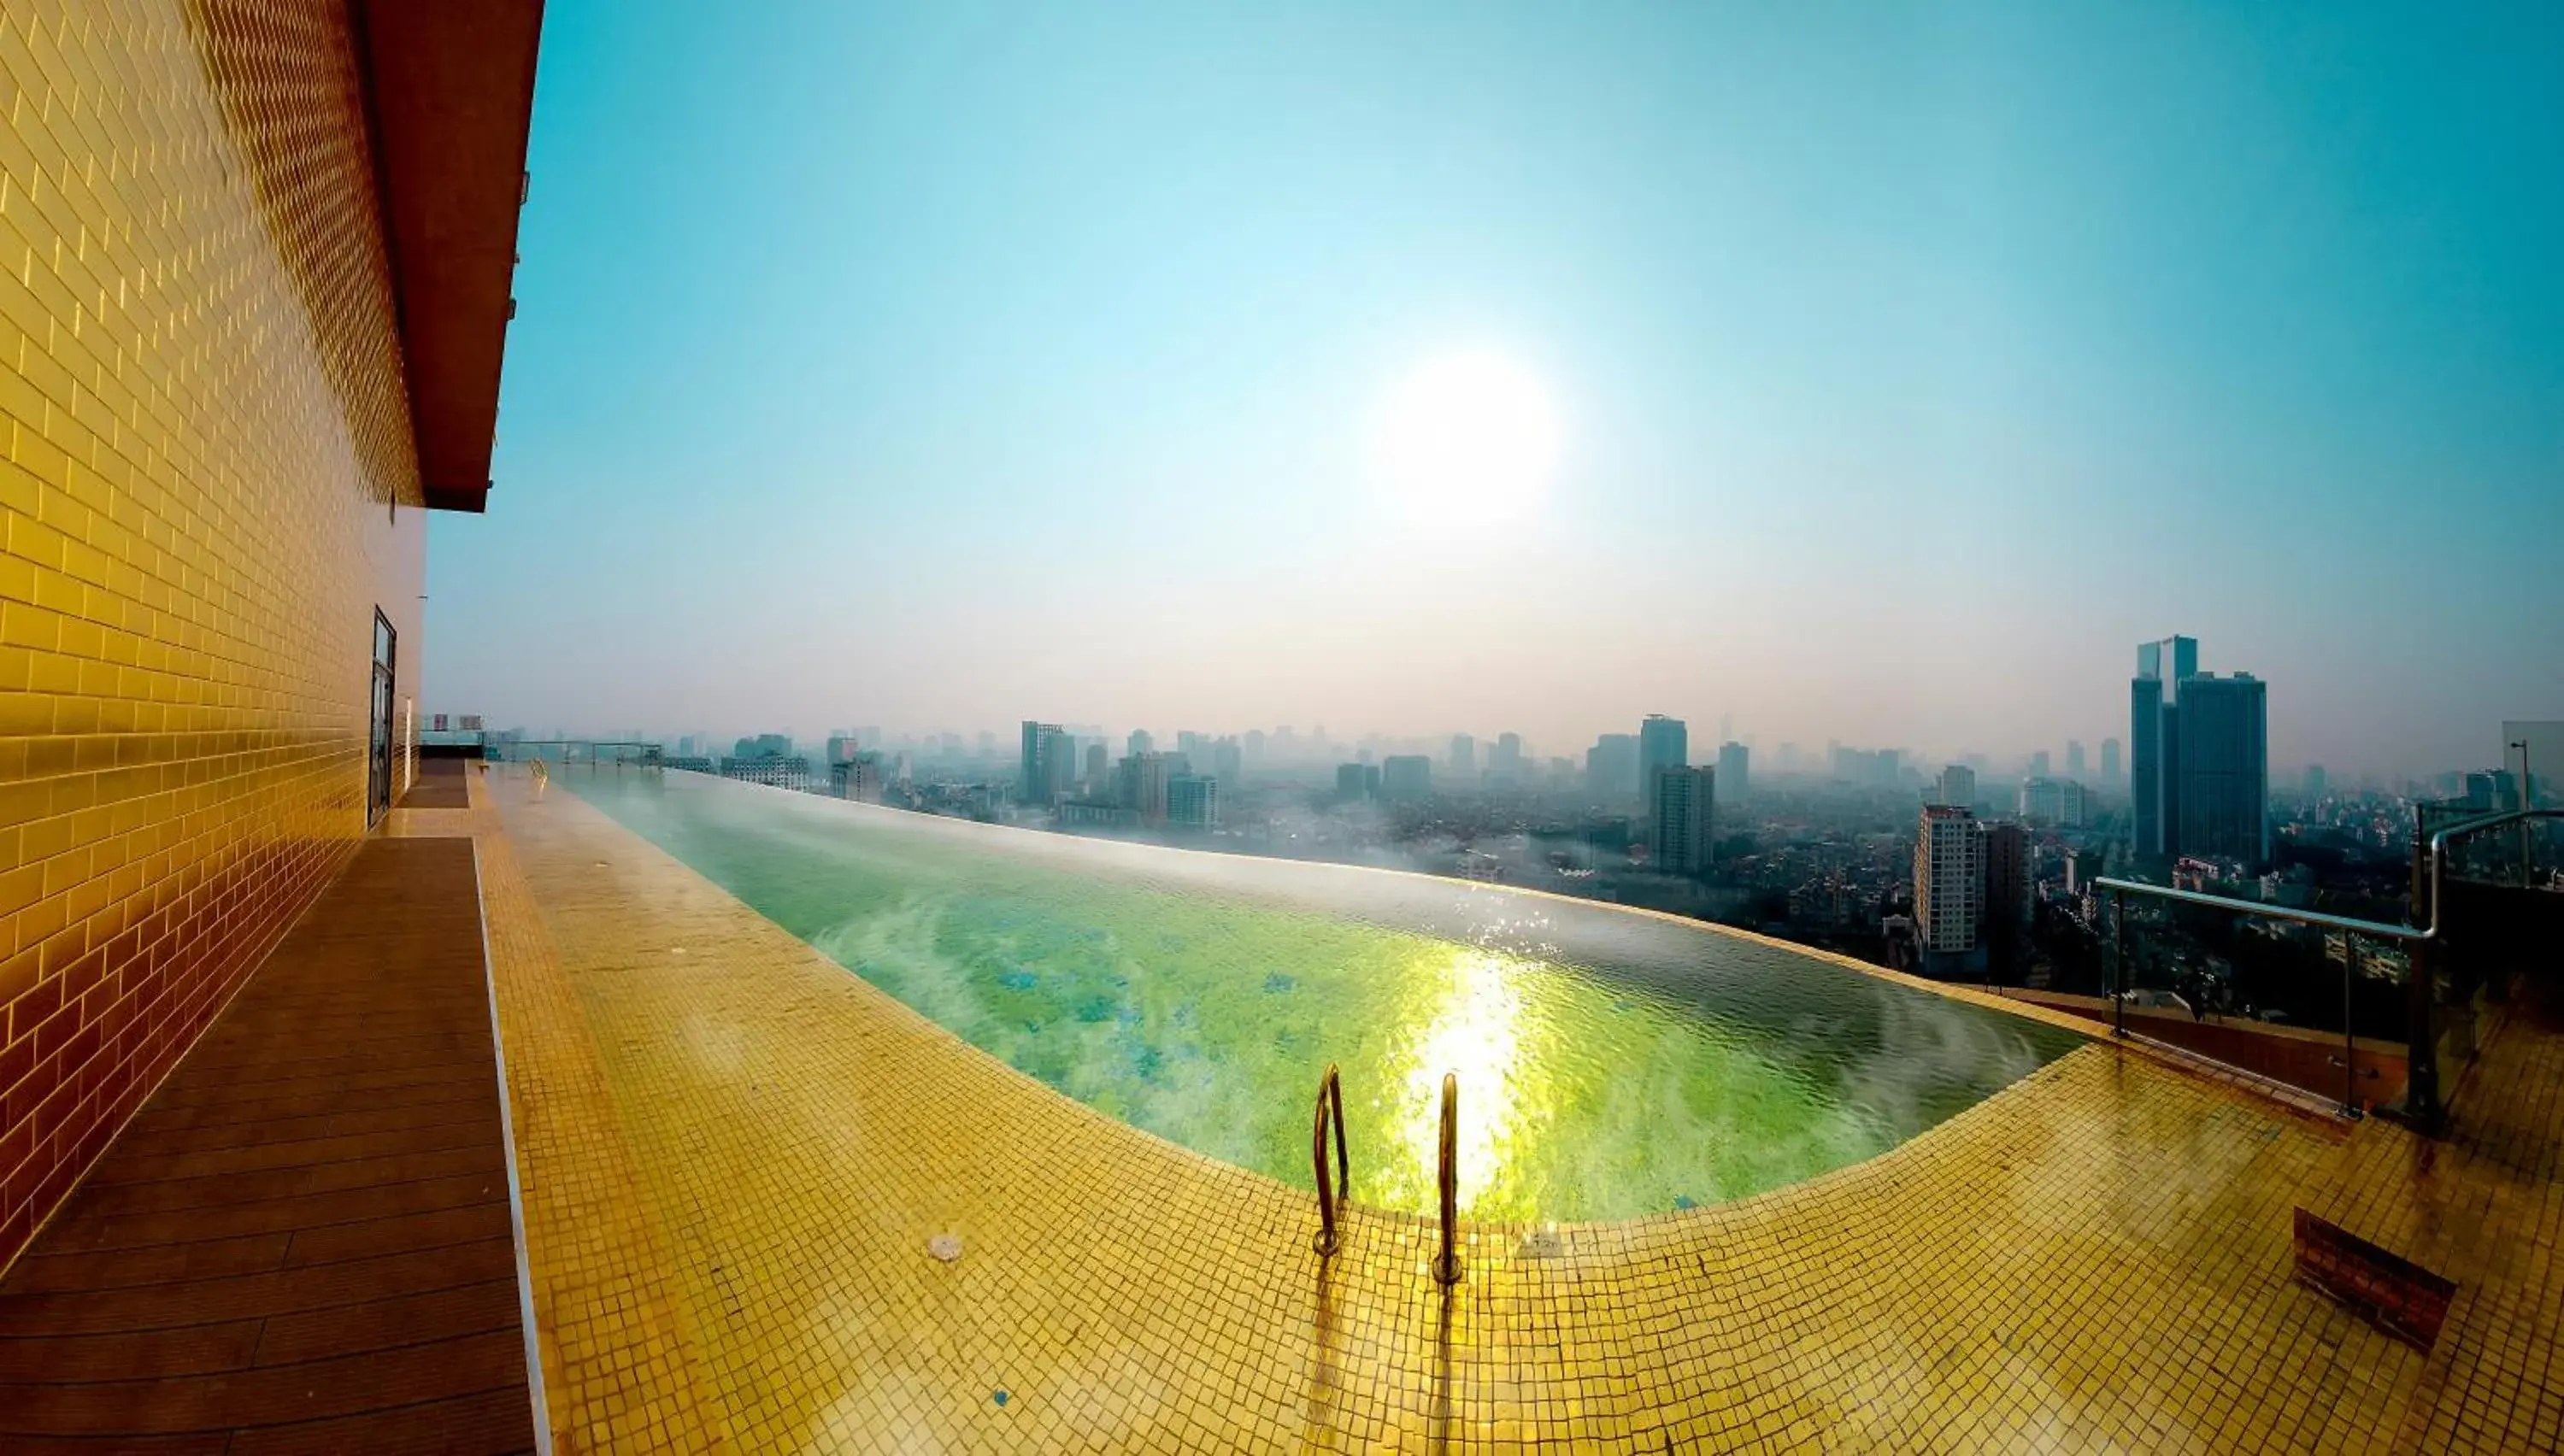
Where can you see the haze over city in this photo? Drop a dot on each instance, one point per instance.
(1505, 371)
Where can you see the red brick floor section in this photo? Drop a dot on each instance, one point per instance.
(301, 1242)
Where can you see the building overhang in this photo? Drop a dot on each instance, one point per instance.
(450, 90)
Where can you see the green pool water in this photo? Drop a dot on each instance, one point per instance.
(1610, 1064)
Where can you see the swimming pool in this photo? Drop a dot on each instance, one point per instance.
(1610, 1064)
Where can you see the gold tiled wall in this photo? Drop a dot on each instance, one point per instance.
(207, 486)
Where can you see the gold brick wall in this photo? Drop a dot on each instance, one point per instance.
(207, 486)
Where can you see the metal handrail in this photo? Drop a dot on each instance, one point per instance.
(1331, 1107)
(2438, 859)
(2410, 935)
(1446, 1269)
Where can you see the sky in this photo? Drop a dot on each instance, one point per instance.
(1897, 369)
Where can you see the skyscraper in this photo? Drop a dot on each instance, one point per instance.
(1141, 742)
(1192, 801)
(2075, 757)
(2109, 761)
(1611, 767)
(2223, 753)
(2004, 852)
(1949, 880)
(1957, 787)
(2039, 764)
(1663, 742)
(2314, 782)
(1732, 771)
(1464, 757)
(1505, 764)
(1045, 763)
(1405, 778)
(2154, 741)
(1681, 804)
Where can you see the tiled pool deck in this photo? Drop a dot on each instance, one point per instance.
(733, 1155)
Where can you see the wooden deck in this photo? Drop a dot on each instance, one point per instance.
(439, 785)
(302, 1242)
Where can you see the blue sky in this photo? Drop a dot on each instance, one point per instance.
(940, 365)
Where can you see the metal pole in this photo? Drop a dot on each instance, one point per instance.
(2119, 963)
(1325, 1244)
(1446, 1269)
(2349, 1044)
(2526, 803)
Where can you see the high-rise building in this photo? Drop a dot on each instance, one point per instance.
(2314, 782)
(1949, 880)
(1732, 773)
(2075, 757)
(858, 778)
(1141, 741)
(1033, 769)
(2109, 761)
(1663, 742)
(1141, 779)
(1681, 807)
(1405, 778)
(2005, 857)
(1957, 787)
(1611, 767)
(1505, 764)
(1192, 801)
(2222, 754)
(1352, 782)
(1227, 760)
(2154, 741)
(2039, 764)
(1464, 757)
(1097, 768)
(2057, 801)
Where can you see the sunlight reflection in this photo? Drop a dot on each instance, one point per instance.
(1476, 1032)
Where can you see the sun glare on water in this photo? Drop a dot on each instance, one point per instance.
(1470, 437)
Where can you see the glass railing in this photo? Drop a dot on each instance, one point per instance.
(2371, 1012)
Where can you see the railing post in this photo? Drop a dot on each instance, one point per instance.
(1446, 1269)
(2349, 1040)
(2119, 963)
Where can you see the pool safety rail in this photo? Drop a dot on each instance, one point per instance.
(2424, 1099)
(1446, 1269)
(1331, 1111)
(1333, 1188)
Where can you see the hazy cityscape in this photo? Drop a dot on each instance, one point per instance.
(1971, 866)
(1469, 728)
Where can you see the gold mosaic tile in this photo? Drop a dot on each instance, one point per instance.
(206, 489)
(729, 1222)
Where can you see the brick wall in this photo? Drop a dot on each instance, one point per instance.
(207, 486)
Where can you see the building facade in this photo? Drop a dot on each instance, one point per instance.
(2224, 765)
(1405, 778)
(1733, 779)
(2154, 743)
(1957, 787)
(1681, 808)
(1192, 801)
(1611, 767)
(1949, 880)
(1663, 742)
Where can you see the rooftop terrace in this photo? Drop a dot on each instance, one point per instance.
(736, 1159)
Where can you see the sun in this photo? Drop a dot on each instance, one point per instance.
(1467, 436)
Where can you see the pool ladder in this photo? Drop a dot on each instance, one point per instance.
(1328, 1115)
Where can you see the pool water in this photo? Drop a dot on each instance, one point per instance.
(1610, 1064)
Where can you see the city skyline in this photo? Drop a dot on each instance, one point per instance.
(2078, 331)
